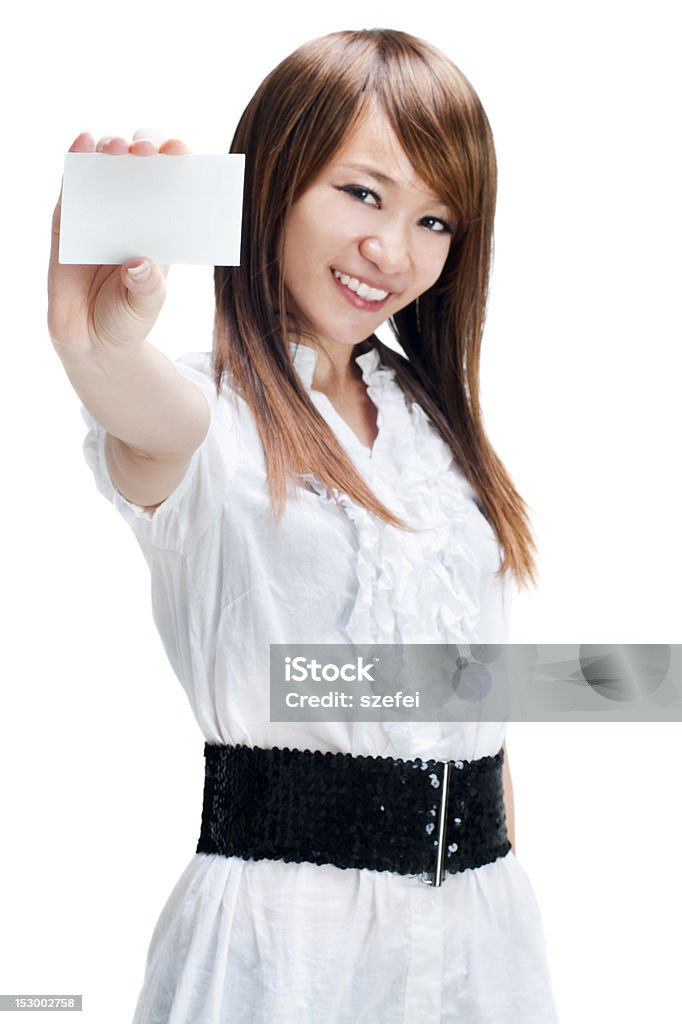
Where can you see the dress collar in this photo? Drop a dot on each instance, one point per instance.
(304, 358)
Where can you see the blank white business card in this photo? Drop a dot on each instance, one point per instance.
(174, 209)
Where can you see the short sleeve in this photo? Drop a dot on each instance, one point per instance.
(180, 520)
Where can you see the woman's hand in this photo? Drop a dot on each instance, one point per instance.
(91, 307)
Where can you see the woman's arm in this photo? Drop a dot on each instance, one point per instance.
(508, 799)
(154, 417)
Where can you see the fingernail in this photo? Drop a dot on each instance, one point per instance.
(140, 272)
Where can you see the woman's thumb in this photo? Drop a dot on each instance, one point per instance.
(146, 285)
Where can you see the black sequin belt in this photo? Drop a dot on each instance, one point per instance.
(424, 818)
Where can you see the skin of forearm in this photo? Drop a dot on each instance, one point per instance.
(140, 397)
(508, 799)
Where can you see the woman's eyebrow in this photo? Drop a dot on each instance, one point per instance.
(384, 179)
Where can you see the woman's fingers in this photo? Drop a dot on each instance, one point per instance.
(174, 147)
(114, 145)
(146, 142)
(144, 147)
(83, 143)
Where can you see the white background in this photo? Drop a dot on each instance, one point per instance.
(101, 761)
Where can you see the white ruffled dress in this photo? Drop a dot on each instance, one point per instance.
(268, 942)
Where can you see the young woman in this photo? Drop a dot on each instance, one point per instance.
(305, 483)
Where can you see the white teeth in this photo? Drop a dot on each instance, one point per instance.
(363, 290)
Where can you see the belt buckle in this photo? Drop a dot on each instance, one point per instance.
(437, 875)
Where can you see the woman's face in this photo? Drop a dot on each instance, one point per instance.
(365, 239)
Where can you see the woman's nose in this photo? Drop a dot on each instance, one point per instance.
(389, 251)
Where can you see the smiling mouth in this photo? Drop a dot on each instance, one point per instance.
(360, 293)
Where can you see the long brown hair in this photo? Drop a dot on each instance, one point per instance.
(299, 117)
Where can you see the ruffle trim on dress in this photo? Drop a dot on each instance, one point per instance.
(419, 587)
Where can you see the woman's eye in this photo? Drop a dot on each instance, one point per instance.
(361, 193)
(439, 226)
